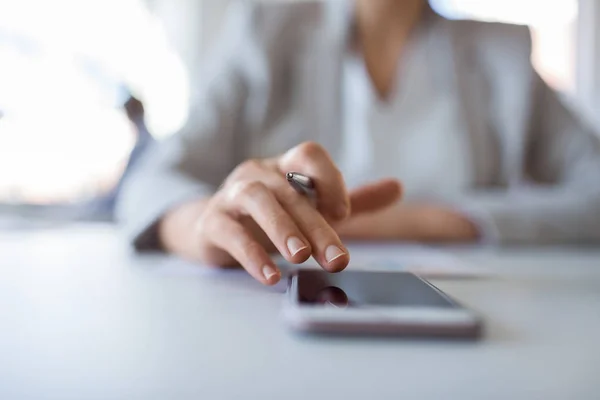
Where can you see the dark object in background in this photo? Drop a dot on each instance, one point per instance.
(134, 109)
(102, 208)
(136, 113)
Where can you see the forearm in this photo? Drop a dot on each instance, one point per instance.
(551, 215)
(438, 224)
(422, 223)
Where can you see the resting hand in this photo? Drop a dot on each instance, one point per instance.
(410, 222)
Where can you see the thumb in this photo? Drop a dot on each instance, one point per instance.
(375, 196)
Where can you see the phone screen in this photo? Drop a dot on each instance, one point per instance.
(364, 289)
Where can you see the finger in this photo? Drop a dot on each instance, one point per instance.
(230, 236)
(327, 248)
(257, 201)
(375, 196)
(312, 160)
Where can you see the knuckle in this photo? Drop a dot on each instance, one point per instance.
(310, 150)
(246, 189)
(205, 222)
(244, 169)
(250, 165)
(202, 226)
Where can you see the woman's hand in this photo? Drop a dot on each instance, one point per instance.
(410, 222)
(256, 211)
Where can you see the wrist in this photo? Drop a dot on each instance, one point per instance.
(177, 226)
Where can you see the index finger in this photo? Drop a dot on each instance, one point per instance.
(311, 159)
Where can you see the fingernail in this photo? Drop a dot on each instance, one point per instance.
(269, 272)
(333, 253)
(295, 245)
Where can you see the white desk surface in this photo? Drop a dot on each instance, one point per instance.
(81, 317)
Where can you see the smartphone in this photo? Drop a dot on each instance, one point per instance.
(363, 302)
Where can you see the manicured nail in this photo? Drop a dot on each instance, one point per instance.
(295, 245)
(269, 272)
(333, 253)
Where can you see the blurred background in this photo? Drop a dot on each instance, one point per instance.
(86, 84)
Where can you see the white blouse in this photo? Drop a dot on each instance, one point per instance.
(417, 136)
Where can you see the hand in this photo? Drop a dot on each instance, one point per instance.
(410, 222)
(256, 211)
